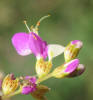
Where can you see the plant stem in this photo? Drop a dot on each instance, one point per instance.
(12, 94)
(43, 79)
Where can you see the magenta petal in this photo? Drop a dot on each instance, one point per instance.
(26, 90)
(45, 49)
(33, 80)
(37, 45)
(20, 42)
(78, 43)
(71, 66)
(27, 77)
(75, 41)
(0, 84)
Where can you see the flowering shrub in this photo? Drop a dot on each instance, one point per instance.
(31, 43)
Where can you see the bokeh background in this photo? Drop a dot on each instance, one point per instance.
(70, 20)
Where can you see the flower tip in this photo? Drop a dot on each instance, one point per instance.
(80, 69)
(72, 49)
(78, 43)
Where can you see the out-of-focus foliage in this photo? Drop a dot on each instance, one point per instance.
(70, 20)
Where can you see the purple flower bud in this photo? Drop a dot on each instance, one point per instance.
(80, 69)
(66, 69)
(27, 89)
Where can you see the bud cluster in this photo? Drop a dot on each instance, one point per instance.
(72, 66)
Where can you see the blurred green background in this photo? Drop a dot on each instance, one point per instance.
(70, 20)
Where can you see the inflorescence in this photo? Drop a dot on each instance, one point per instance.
(31, 43)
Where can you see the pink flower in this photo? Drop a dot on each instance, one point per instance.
(26, 44)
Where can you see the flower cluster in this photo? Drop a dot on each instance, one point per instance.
(31, 43)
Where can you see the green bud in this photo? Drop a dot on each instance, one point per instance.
(72, 49)
(43, 67)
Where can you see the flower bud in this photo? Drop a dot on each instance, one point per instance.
(72, 49)
(65, 69)
(9, 84)
(40, 92)
(80, 69)
(29, 86)
(43, 67)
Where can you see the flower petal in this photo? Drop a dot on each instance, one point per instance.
(20, 42)
(26, 90)
(78, 43)
(71, 66)
(55, 49)
(37, 45)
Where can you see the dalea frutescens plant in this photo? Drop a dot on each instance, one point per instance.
(31, 43)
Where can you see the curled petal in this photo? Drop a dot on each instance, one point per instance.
(20, 42)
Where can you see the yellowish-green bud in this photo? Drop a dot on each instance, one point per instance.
(9, 84)
(43, 67)
(72, 49)
(65, 69)
(59, 72)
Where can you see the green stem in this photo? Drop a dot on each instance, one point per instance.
(12, 94)
(43, 79)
